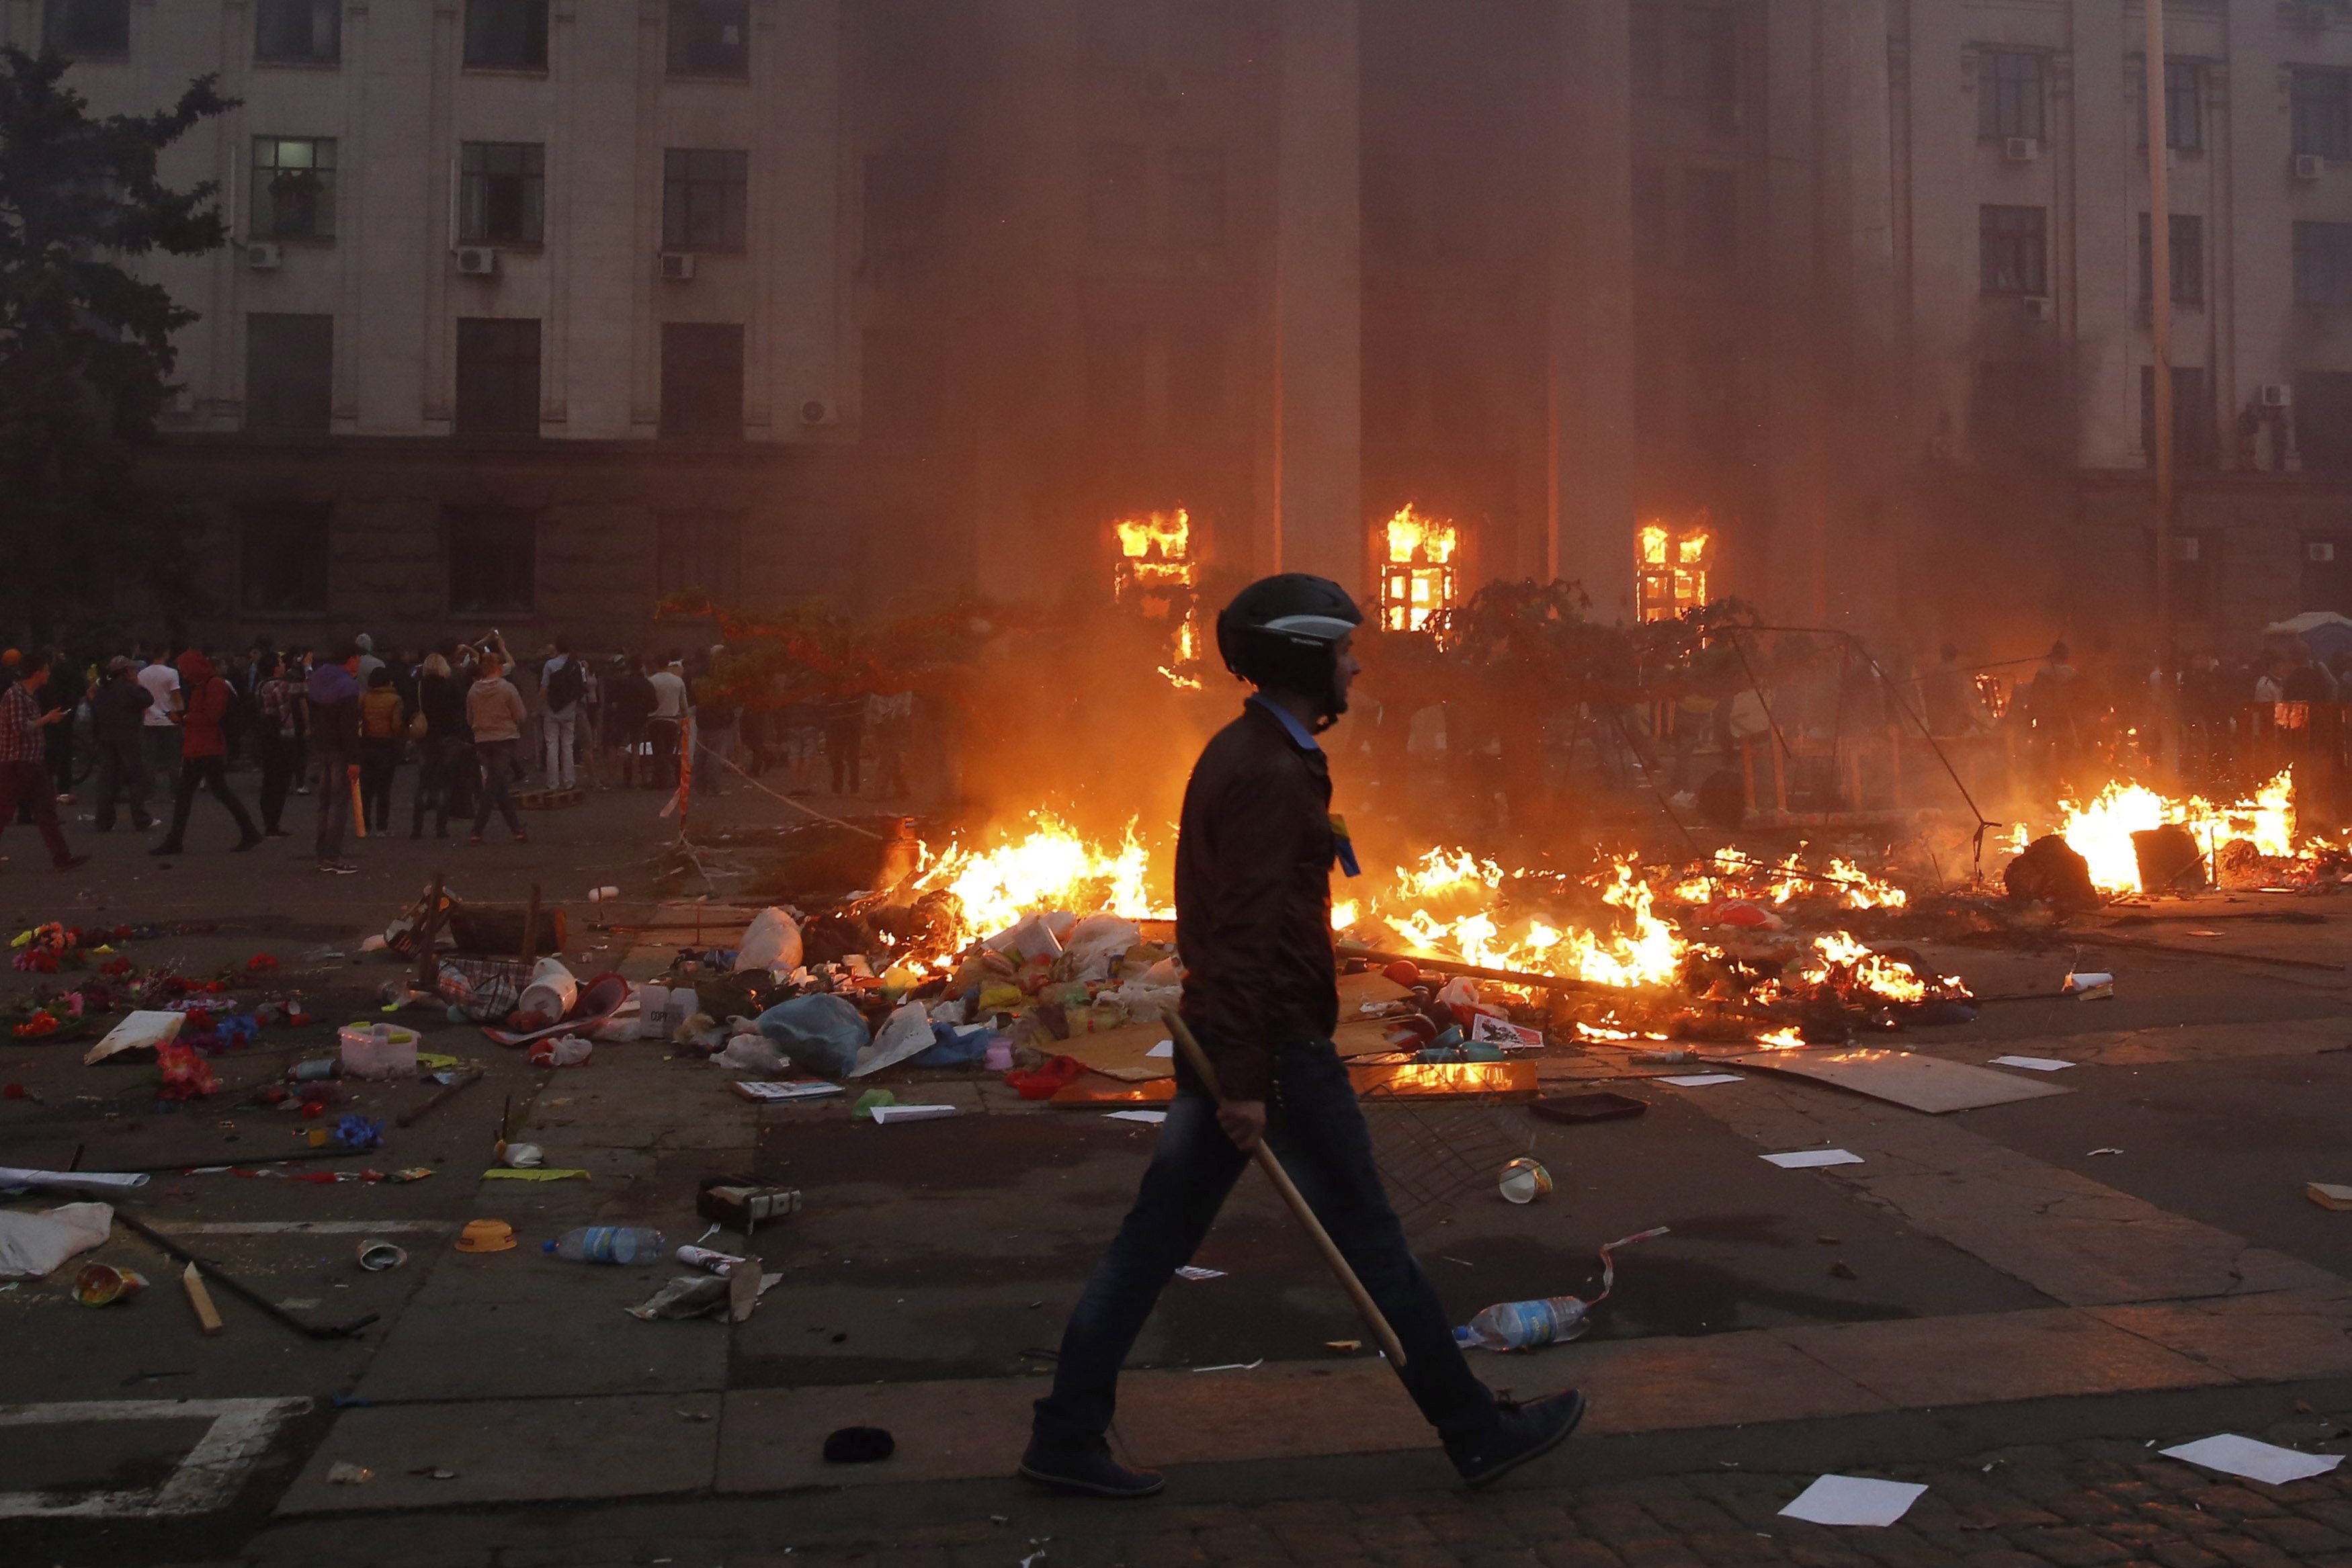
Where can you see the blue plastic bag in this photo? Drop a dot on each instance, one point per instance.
(818, 1033)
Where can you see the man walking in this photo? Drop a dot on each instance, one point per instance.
(204, 755)
(495, 710)
(1253, 855)
(158, 732)
(118, 704)
(23, 780)
(333, 697)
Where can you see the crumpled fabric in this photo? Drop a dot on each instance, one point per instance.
(33, 1245)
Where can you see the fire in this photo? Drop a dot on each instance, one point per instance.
(1155, 570)
(1343, 914)
(1418, 580)
(2101, 830)
(1671, 568)
(1729, 873)
(1781, 1039)
(1648, 953)
(1842, 958)
(1052, 868)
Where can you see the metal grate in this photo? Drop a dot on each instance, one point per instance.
(1431, 1153)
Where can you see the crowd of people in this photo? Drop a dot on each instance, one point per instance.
(467, 721)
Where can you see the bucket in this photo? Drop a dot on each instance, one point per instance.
(377, 1051)
(549, 996)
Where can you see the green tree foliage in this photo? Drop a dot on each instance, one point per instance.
(86, 354)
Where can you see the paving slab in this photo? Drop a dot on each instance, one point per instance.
(1989, 1357)
(512, 1451)
(2270, 1337)
(1672, 1385)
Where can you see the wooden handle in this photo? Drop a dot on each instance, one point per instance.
(208, 1318)
(1365, 1306)
(359, 810)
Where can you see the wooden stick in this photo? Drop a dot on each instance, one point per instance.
(1475, 971)
(208, 1318)
(1368, 1308)
(530, 928)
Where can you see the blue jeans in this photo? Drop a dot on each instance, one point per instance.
(1315, 1127)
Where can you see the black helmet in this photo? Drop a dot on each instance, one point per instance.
(1280, 633)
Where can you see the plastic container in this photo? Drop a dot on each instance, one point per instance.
(606, 1244)
(378, 1050)
(683, 1005)
(1523, 1325)
(552, 991)
(653, 1011)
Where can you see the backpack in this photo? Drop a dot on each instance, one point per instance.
(565, 687)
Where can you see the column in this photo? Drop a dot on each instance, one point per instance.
(1591, 349)
(1318, 288)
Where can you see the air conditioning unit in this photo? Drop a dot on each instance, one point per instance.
(2040, 308)
(2184, 546)
(2276, 395)
(477, 260)
(676, 267)
(265, 257)
(2309, 165)
(816, 410)
(2021, 148)
(2322, 550)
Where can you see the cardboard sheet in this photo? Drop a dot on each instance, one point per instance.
(1371, 986)
(1124, 1053)
(1928, 1084)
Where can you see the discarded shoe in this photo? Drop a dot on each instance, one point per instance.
(1521, 1432)
(1089, 1472)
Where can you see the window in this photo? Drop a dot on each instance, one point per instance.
(2194, 567)
(1711, 218)
(1114, 377)
(702, 380)
(1711, 408)
(1115, 194)
(1458, 416)
(298, 32)
(902, 385)
(700, 550)
(2323, 421)
(2323, 264)
(492, 554)
(1196, 199)
(2009, 94)
(501, 192)
(1196, 382)
(2327, 583)
(2193, 417)
(293, 187)
(87, 28)
(709, 38)
(703, 199)
(2321, 106)
(506, 35)
(1714, 68)
(2014, 250)
(497, 376)
(902, 207)
(2187, 260)
(289, 368)
(2017, 412)
(2184, 104)
(281, 559)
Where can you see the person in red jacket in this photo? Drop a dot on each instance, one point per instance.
(203, 753)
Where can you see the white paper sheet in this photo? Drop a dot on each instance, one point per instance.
(1191, 1273)
(2032, 1063)
(71, 1181)
(1806, 1159)
(2235, 1455)
(1165, 1048)
(1855, 1499)
(884, 1114)
(1153, 1117)
(1701, 1080)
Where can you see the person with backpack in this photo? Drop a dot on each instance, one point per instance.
(563, 683)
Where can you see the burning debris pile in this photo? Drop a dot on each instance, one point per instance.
(2134, 840)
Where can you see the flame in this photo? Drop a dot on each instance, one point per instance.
(1343, 914)
(1410, 533)
(1653, 545)
(1170, 534)
(1847, 964)
(1729, 873)
(2101, 830)
(1052, 868)
(1781, 1039)
(1155, 558)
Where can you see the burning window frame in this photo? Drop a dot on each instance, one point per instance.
(1156, 571)
(1417, 552)
(1671, 566)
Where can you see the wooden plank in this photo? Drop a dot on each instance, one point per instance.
(1903, 1078)
(208, 1318)
(1372, 987)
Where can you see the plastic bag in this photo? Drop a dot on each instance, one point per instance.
(750, 1053)
(31, 1244)
(820, 1033)
(1096, 943)
(953, 1047)
(772, 942)
(561, 1051)
(907, 1030)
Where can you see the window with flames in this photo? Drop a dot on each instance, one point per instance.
(1154, 574)
(1417, 577)
(1672, 564)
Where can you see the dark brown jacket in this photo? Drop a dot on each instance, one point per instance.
(1253, 900)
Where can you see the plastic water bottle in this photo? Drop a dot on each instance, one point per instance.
(1522, 1326)
(606, 1244)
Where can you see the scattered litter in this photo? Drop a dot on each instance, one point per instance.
(377, 1051)
(1153, 1117)
(754, 1052)
(376, 1257)
(867, 1102)
(1166, 1047)
(562, 1051)
(1192, 1271)
(739, 1202)
(2090, 987)
(2235, 1455)
(1699, 1079)
(1523, 1325)
(1906, 1078)
(139, 1031)
(486, 1236)
(882, 1114)
(34, 1245)
(536, 1173)
(2033, 1063)
(343, 1473)
(775, 1091)
(1855, 1499)
(859, 1446)
(68, 1181)
(1841, 1269)
(2329, 1195)
(523, 1156)
(199, 1300)
(2096, 1151)
(1344, 1346)
(606, 1244)
(102, 1284)
(1807, 1159)
(1524, 1181)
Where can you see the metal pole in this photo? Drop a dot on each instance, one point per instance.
(2159, 273)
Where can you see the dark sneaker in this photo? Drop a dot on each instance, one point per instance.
(1520, 1433)
(1089, 1472)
